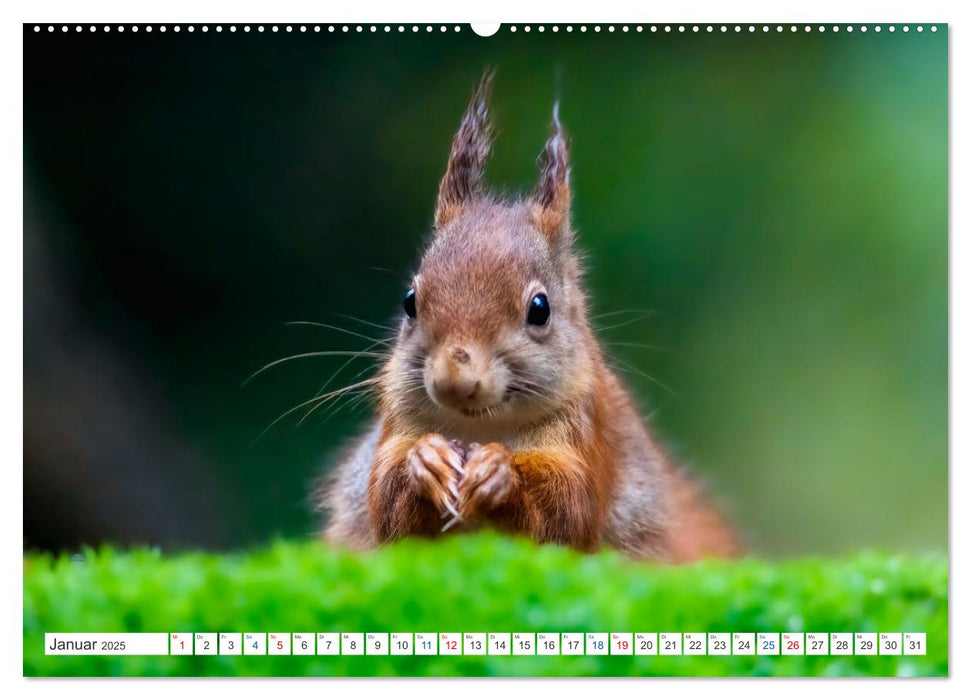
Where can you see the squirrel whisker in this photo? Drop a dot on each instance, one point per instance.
(628, 367)
(646, 312)
(336, 394)
(319, 353)
(317, 324)
(357, 398)
(622, 323)
(645, 346)
(367, 323)
(279, 418)
(346, 363)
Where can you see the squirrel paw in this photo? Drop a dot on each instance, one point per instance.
(435, 467)
(488, 479)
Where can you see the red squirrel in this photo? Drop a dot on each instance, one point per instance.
(496, 406)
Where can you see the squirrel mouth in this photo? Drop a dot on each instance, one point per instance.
(486, 410)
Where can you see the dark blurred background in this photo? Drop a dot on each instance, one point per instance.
(769, 211)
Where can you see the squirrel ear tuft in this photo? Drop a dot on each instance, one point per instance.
(551, 200)
(466, 163)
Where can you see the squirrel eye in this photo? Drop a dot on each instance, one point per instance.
(539, 311)
(409, 303)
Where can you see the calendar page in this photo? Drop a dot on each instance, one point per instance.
(514, 349)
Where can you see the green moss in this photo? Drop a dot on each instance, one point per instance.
(478, 583)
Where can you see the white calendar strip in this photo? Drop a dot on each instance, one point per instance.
(489, 644)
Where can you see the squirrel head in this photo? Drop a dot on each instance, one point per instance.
(494, 326)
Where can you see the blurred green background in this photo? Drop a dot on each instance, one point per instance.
(768, 209)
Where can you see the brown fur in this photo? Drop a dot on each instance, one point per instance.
(565, 458)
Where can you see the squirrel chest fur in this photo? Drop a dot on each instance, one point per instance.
(496, 406)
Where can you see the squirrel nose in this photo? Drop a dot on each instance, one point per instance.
(456, 376)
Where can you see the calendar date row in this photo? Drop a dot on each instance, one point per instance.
(491, 643)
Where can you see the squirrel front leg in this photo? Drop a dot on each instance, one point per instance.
(546, 494)
(413, 483)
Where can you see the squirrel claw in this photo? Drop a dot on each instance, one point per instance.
(451, 522)
(451, 509)
(457, 447)
(432, 465)
(489, 479)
